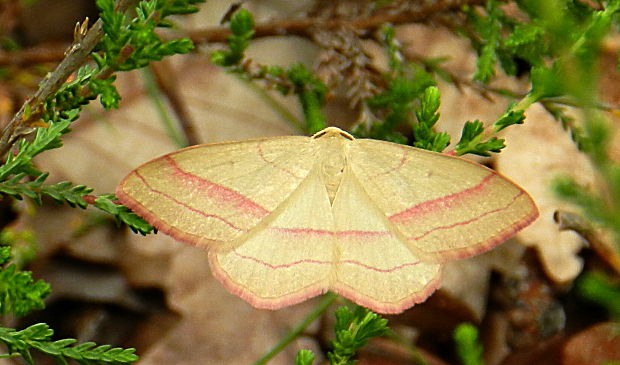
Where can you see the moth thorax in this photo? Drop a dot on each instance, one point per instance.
(332, 170)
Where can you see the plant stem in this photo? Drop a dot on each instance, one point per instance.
(416, 356)
(275, 105)
(155, 96)
(75, 57)
(292, 334)
(303, 26)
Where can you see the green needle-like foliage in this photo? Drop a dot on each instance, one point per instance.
(45, 139)
(39, 337)
(353, 330)
(108, 204)
(470, 140)
(16, 171)
(242, 29)
(411, 92)
(129, 44)
(19, 293)
(427, 115)
(15, 182)
(304, 357)
(489, 30)
(308, 88)
(555, 42)
(311, 93)
(408, 94)
(600, 289)
(468, 349)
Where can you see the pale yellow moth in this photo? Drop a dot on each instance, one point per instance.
(287, 218)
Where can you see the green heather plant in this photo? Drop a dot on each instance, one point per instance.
(556, 43)
(120, 44)
(557, 36)
(468, 349)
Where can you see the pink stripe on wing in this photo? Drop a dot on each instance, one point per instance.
(217, 191)
(319, 262)
(259, 148)
(282, 266)
(463, 223)
(174, 200)
(391, 269)
(321, 232)
(442, 203)
(403, 159)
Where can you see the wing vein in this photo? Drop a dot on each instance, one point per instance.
(443, 202)
(466, 222)
(218, 191)
(184, 205)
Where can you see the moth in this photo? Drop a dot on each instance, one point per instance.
(287, 218)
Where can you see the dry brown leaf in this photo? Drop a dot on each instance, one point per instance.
(217, 327)
(214, 326)
(467, 281)
(536, 153)
(599, 344)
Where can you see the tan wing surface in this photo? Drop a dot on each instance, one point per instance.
(445, 207)
(210, 195)
(287, 259)
(375, 268)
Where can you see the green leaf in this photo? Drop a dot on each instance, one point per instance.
(471, 130)
(546, 82)
(304, 357)
(468, 348)
(5, 254)
(66, 103)
(470, 141)
(391, 47)
(19, 293)
(353, 330)
(131, 44)
(510, 118)
(601, 289)
(397, 102)
(45, 139)
(242, 29)
(38, 336)
(242, 23)
(64, 192)
(403, 89)
(430, 101)
(424, 135)
(527, 42)
(489, 28)
(123, 214)
(310, 91)
(485, 63)
(108, 95)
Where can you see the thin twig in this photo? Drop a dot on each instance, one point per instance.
(34, 55)
(575, 222)
(76, 55)
(292, 334)
(304, 26)
(299, 26)
(52, 82)
(169, 87)
(155, 94)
